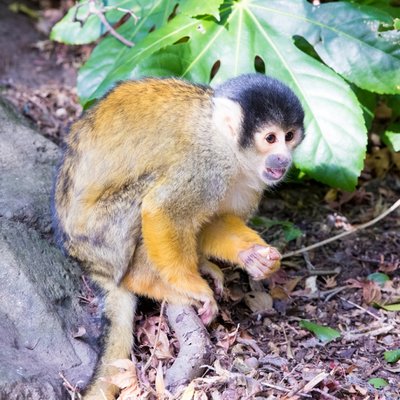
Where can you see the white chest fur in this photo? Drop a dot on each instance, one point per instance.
(244, 191)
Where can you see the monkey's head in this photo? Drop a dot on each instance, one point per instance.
(264, 119)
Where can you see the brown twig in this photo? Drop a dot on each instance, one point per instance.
(308, 386)
(361, 308)
(325, 395)
(68, 385)
(99, 12)
(352, 337)
(343, 234)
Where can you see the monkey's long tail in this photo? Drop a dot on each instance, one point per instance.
(117, 339)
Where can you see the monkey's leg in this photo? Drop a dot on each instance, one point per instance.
(119, 309)
(144, 279)
(228, 238)
(209, 268)
(172, 250)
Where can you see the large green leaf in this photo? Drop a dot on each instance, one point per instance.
(347, 37)
(193, 8)
(334, 147)
(392, 137)
(385, 5)
(352, 44)
(73, 32)
(112, 61)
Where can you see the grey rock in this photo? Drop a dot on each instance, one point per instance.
(39, 287)
(27, 166)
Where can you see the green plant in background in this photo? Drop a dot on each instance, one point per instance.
(336, 57)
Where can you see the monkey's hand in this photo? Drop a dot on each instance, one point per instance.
(260, 261)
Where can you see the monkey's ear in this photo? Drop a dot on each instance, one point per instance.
(227, 116)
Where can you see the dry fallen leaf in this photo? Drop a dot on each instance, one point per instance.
(311, 284)
(147, 336)
(160, 385)
(330, 282)
(379, 161)
(188, 393)
(371, 290)
(258, 301)
(126, 376)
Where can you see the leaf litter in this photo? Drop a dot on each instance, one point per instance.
(261, 349)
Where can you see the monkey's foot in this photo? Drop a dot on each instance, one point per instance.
(208, 311)
(214, 272)
(260, 261)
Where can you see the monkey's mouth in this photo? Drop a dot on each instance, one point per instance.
(274, 174)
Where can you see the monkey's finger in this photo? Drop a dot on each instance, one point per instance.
(256, 270)
(261, 270)
(268, 253)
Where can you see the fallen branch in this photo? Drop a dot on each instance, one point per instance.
(195, 347)
(343, 234)
(306, 387)
(379, 318)
(352, 337)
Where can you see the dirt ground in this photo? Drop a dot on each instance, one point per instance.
(262, 350)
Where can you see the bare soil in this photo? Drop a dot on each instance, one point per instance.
(261, 349)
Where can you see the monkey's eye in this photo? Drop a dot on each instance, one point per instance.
(271, 138)
(289, 136)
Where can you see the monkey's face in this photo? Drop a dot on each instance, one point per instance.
(274, 147)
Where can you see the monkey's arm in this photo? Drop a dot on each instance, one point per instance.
(228, 238)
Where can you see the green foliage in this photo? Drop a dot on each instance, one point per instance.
(392, 138)
(290, 231)
(392, 356)
(79, 26)
(379, 278)
(391, 307)
(378, 383)
(315, 50)
(323, 333)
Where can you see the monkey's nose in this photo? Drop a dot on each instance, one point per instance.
(279, 161)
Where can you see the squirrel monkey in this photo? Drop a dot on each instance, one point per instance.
(159, 176)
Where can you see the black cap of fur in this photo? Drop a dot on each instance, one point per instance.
(263, 100)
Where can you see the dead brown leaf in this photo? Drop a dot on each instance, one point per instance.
(147, 336)
(378, 162)
(258, 301)
(370, 290)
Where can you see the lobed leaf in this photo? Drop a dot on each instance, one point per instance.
(112, 61)
(252, 34)
(334, 148)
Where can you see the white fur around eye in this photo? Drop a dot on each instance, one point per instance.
(227, 117)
